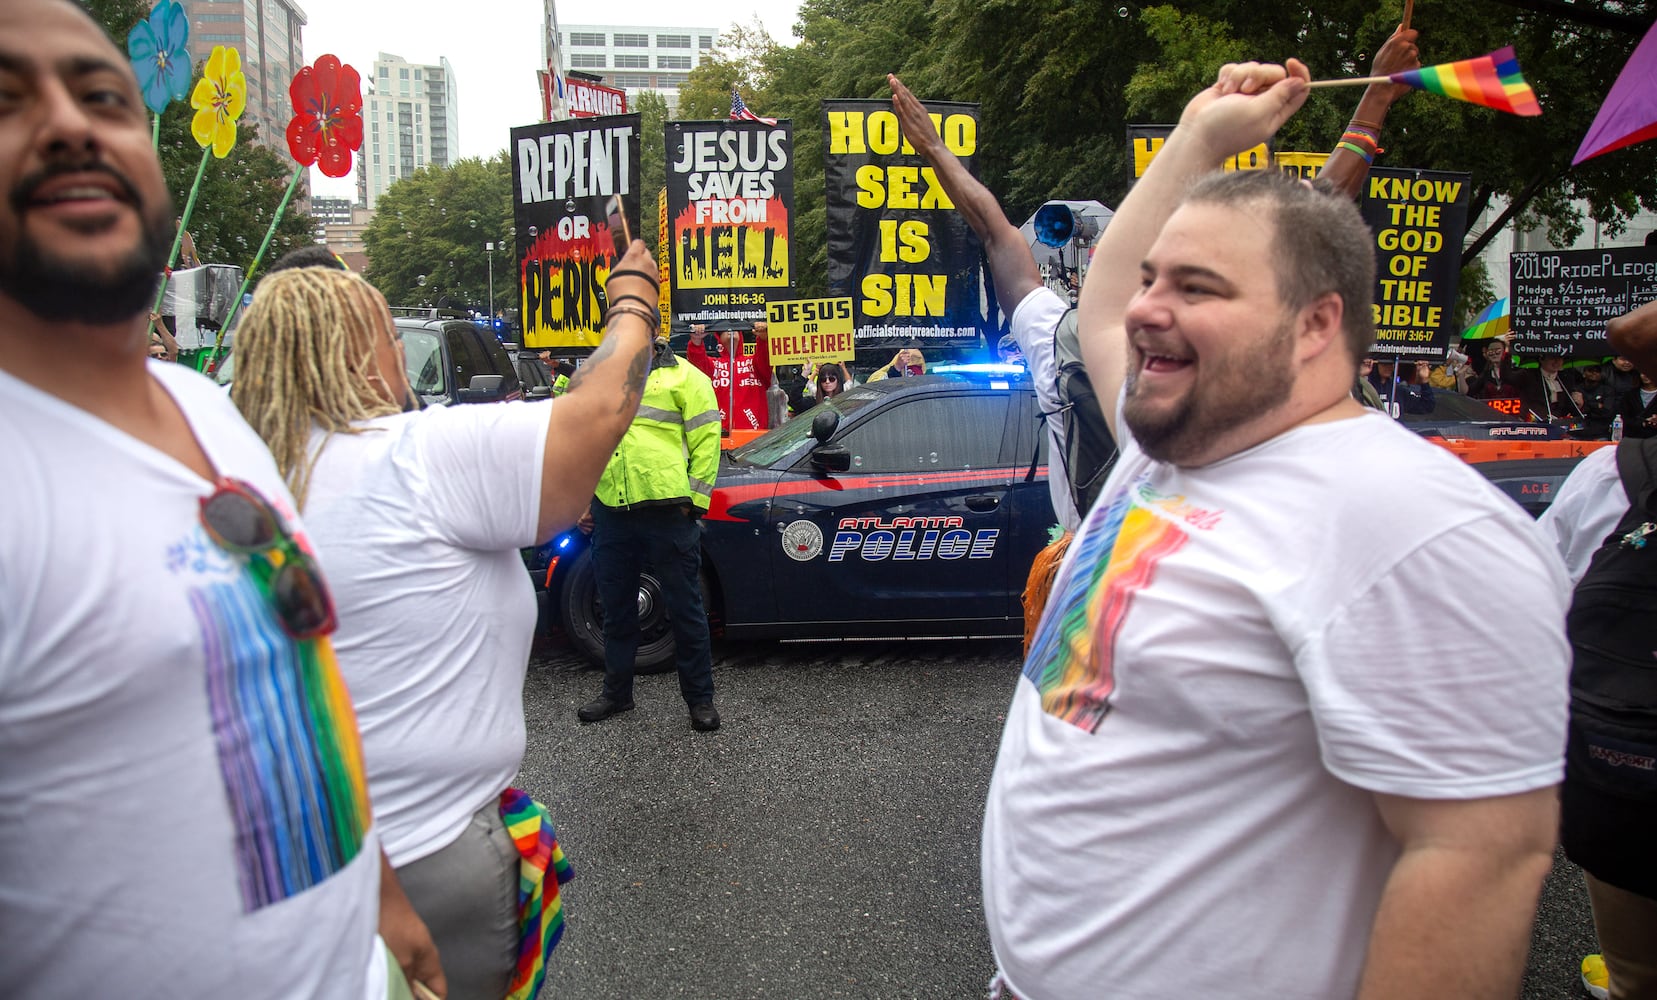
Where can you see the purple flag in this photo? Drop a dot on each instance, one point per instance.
(1629, 114)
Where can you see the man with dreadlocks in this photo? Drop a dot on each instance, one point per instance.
(418, 518)
(181, 798)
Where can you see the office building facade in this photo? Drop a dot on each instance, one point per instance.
(632, 58)
(268, 34)
(410, 121)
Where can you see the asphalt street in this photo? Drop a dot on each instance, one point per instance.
(822, 844)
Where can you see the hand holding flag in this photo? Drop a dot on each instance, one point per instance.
(1493, 81)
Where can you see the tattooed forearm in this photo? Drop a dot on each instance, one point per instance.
(638, 367)
(606, 348)
(632, 391)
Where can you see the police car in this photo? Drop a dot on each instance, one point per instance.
(908, 507)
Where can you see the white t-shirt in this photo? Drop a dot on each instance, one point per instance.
(1233, 659)
(1035, 319)
(418, 521)
(181, 794)
(1590, 503)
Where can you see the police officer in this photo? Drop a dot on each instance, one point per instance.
(649, 502)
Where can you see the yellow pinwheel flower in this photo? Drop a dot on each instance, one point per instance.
(219, 99)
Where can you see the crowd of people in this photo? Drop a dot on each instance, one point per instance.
(1231, 739)
(1595, 399)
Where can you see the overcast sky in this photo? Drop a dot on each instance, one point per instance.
(495, 48)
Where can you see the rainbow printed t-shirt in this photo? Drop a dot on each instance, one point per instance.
(1235, 658)
(1127, 538)
(147, 690)
(286, 736)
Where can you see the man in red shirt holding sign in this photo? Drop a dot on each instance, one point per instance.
(742, 399)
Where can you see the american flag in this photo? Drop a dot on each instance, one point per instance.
(740, 112)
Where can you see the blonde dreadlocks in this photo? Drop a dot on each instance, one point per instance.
(305, 359)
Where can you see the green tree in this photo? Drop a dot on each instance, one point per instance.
(652, 109)
(846, 49)
(117, 16)
(740, 58)
(426, 245)
(1526, 161)
(238, 195)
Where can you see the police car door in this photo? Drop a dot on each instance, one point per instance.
(915, 530)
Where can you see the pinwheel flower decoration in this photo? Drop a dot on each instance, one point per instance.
(219, 99)
(156, 46)
(327, 122)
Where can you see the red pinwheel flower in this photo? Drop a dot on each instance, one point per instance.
(327, 121)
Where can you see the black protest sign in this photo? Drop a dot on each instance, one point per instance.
(896, 245)
(575, 188)
(730, 209)
(1562, 299)
(1418, 217)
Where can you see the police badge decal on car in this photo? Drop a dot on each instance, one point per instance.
(802, 541)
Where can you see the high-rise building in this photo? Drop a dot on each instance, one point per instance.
(268, 36)
(326, 211)
(632, 58)
(410, 121)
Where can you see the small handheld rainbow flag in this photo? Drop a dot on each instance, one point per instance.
(1494, 320)
(1493, 81)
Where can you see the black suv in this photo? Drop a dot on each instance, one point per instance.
(532, 372)
(455, 361)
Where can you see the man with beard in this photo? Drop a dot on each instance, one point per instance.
(1250, 745)
(182, 810)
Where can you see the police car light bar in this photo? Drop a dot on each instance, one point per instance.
(978, 368)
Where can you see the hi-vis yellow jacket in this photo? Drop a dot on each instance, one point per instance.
(670, 454)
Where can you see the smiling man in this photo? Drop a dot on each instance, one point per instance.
(1251, 746)
(182, 808)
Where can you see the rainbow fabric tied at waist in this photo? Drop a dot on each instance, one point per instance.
(540, 912)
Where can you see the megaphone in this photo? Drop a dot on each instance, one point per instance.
(1056, 225)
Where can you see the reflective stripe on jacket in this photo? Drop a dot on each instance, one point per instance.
(670, 453)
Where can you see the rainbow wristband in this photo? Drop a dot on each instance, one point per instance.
(1361, 142)
(1355, 150)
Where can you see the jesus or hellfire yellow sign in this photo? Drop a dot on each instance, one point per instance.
(805, 330)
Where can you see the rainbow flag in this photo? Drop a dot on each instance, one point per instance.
(1494, 320)
(540, 911)
(1493, 81)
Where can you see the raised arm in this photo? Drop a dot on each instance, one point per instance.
(762, 351)
(696, 352)
(1350, 160)
(1244, 107)
(587, 422)
(1011, 266)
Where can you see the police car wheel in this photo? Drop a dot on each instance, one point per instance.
(584, 619)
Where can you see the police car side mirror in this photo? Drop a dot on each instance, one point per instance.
(824, 424)
(832, 458)
(538, 392)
